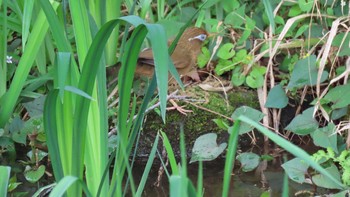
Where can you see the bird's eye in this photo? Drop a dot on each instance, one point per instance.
(200, 37)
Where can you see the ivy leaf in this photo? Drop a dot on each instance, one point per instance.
(204, 57)
(253, 114)
(236, 17)
(226, 51)
(305, 73)
(325, 137)
(304, 123)
(294, 11)
(338, 96)
(205, 148)
(224, 66)
(255, 79)
(323, 181)
(237, 78)
(33, 175)
(249, 161)
(305, 5)
(296, 169)
(276, 98)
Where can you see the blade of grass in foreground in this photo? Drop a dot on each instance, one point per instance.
(5, 175)
(148, 167)
(291, 148)
(230, 157)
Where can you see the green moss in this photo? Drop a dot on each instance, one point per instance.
(199, 121)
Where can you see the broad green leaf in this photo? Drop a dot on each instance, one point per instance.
(39, 154)
(226, 51)
(342, 42)
(13, 184)
(304, 123)
(306, 5)
(338, 96)
(255, 79)
(326, 137)
(244, 36)
(301, 30)
(322, 181)
(249, 112)
(33, 175)
(237, 78)
(204, 57)
(36, 107)
(305, 73)
(205, 148)
(277, 98)
(249, 161)
(236, 18)
(279, 20)
(224, 66)
(296, 169)
(294, 11)
(339, 113)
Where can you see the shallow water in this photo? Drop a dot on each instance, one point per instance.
(242, 184)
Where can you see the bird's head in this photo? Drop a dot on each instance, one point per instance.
(192, 38)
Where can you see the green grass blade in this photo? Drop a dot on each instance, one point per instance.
(126, 75)
(269, 13)
(103, 138)
(183, 170)
(170, 152)
(158, 41)
(81, 27)
(290, 147)
(27, 16)
(113, 10)
(63, 185)
(62, 72)
(86, 84)
(3, 50)
(4, 181)
(285, 190)
(50, 126)
(230, 157)
(56, 27)
(147, 167)
(200, 179)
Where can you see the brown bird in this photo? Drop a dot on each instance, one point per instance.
(184, 56)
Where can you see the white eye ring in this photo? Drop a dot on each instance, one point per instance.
(200, 37)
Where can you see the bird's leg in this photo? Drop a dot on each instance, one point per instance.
(178, 108)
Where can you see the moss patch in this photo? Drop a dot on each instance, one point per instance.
(199, 121)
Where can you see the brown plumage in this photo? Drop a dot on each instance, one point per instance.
(184, 56)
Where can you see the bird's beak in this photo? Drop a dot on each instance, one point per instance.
(210, 35)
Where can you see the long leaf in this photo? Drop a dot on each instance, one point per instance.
(230, 157)
(293, 149)
(5, 176)
(50, 126)
(148, 167)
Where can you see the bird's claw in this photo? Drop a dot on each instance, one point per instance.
(178, 108)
